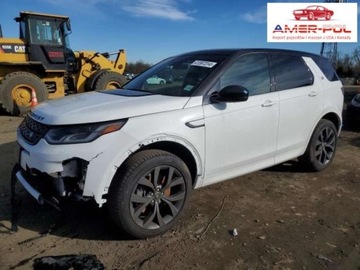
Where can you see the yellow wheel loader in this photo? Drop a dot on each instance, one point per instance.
(41, 59)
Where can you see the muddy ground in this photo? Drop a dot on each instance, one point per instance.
(286, 218)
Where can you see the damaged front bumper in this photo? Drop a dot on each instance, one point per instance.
(79, 171)
(83, 170)
(48, 188)
(43, 188)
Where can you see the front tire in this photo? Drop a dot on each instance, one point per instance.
(149, 193)
(91, 81)
(15, 92)
(322, 146)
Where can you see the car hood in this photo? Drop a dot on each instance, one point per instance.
(101, 106)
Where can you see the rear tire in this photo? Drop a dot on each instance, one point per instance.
(110, 80)
(15, 92)
(149, 193)
(322, 146)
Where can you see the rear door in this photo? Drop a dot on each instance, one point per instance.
(301, 103)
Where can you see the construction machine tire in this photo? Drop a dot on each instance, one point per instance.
(110, 80)
(91, 81)
(15, 92)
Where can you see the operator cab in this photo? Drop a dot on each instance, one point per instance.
(46, 38)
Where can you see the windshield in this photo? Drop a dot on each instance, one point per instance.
(45, 31)
(177, 76)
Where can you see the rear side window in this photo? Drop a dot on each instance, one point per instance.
(291, 72)
(326, 68)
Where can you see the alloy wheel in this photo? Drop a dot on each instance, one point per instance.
(157, 197)
(325, 145)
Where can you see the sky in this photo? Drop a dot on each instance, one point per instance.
(151, 30)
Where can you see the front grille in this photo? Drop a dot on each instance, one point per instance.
(31, 130)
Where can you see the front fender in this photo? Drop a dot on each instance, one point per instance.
(118, 161)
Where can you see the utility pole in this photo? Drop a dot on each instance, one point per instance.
(329, 49)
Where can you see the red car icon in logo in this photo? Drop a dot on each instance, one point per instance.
(313, 13)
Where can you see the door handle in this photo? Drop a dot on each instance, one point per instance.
(312, 94)
(268, 103)
(196, 123)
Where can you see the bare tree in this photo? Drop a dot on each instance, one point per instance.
(356, 61)
(137, 67)
(348, 65)
(344, 66)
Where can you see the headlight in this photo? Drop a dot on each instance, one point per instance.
(83, 133)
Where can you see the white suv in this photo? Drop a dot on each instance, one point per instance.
(216, 115)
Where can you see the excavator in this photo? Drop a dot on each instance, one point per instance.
(41, 59)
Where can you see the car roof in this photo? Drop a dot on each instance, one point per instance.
(234, 51)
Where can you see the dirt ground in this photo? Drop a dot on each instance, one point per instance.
(286, 218)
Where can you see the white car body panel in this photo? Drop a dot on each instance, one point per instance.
(240, 137)
(99, 107)
(300, 109)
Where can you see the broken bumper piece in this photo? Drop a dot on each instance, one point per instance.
(48, 188)
(33, 192)
(40, 193)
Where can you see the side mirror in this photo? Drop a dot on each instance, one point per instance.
(231, 93)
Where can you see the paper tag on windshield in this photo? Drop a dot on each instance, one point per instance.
(201, 63)
(188, 87)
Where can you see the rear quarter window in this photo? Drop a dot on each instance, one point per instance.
(291, 72)
(326, 68)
